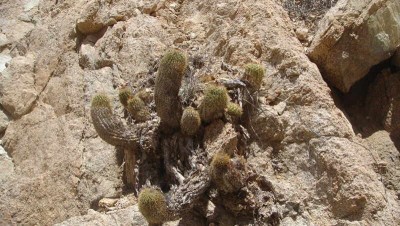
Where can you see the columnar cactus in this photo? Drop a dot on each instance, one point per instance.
(170, 73)
(124, 95)
(254, 74)
(153, 205)
(190, 121)
(214, 103)
(138, 109)
(109, 127)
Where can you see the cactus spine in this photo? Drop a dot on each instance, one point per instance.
(214, 103)
(170, 73)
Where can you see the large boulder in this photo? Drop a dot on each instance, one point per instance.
(354, 36)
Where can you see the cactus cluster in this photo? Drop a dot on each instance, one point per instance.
(190, 121)
(170, 73)
(214, 103)
(227, 173)
(153, 206)
(254, 74)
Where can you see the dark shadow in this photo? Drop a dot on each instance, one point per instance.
(353, 104)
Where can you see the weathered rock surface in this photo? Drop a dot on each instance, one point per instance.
(383, 101)
(56, 168)
(354, 36)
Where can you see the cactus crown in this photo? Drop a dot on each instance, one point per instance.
(234, 110)
(101, 100)
(214, 102)
(254, 74)
(174, 60)
(190, 121)
(124, 94)
(220, 161)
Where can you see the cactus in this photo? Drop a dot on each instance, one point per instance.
(254, 74)
(124, 95)
(234, 110)
(145, 95)
(109, 128)
(214, 103)
(138, 109)
(152, 204)
(190, 121)
(168, 81)
(229, 175)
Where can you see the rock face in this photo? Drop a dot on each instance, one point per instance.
(54, 167)
(383, 101)
(354, 36)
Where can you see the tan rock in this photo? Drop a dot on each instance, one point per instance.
(353, 37)
(127, 216)
(17, 86)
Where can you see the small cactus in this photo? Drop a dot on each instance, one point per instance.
(124, 94)
(214, 103)
(145, 95)
(254, 74)
(190, 121)
(153, 206)
(109, 128)
(138, 109)
(234, 110)
(170, 73)
(229, 175)
(219, 163)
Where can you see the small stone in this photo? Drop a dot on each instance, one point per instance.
(192, 35)
(302, 34)
(107, 202)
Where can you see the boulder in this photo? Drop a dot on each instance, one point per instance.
(354, 36)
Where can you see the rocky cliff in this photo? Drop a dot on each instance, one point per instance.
(324, 138)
